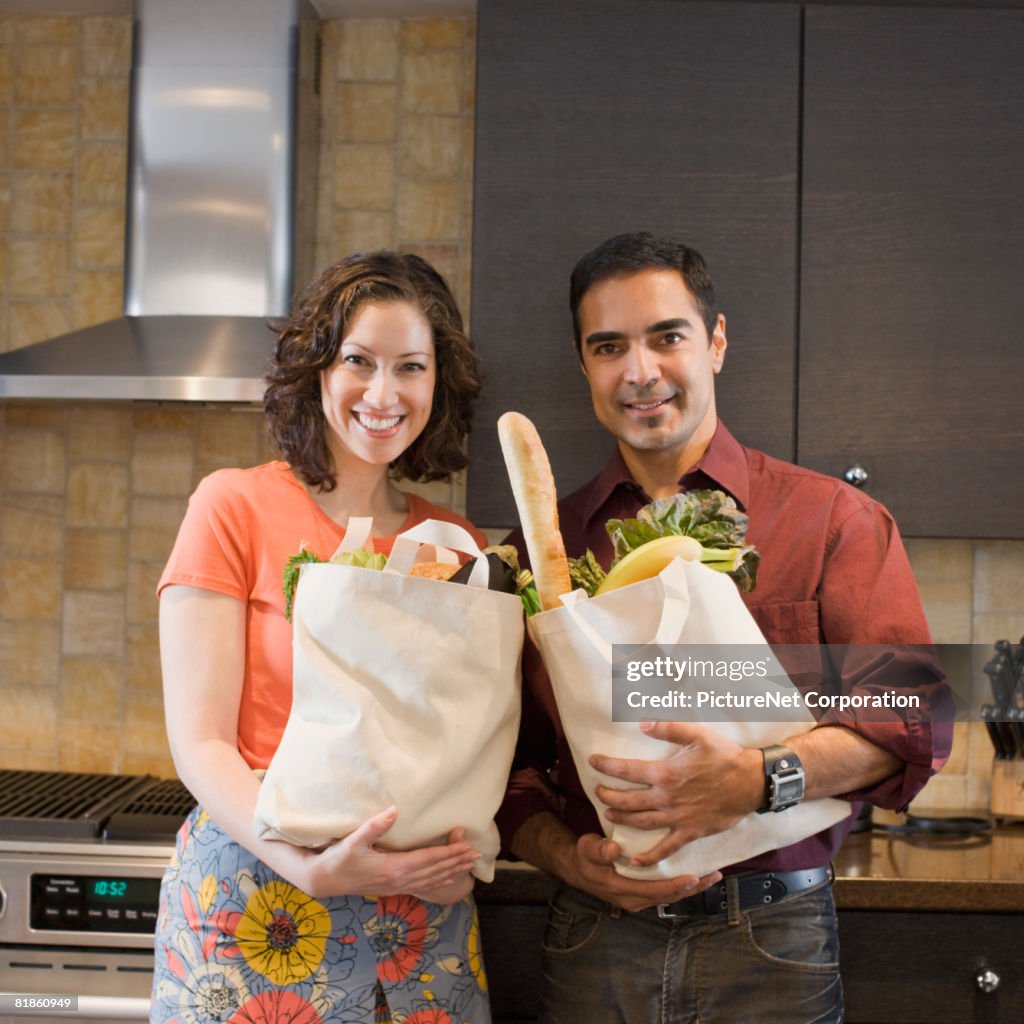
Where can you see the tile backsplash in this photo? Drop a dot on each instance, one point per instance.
(91, 494)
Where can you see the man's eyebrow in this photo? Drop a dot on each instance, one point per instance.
(677, 323)
(674, 324)
(601, 336)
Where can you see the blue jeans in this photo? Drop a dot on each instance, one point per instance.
(605, 966)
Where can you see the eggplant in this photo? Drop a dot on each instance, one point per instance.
(502, 576)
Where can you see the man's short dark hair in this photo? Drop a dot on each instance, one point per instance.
(631, 253)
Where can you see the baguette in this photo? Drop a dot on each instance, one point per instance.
(533, 487)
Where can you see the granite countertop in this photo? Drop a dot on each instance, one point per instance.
(874, 871)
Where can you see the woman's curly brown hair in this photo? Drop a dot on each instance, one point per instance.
(309, 340)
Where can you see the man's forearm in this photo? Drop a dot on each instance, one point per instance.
(546, 842)
(838, 760)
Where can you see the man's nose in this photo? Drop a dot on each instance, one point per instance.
(642, 368)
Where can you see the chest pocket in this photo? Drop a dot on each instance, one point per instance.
(788, 622)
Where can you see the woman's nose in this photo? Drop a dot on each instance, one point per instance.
(381, 391)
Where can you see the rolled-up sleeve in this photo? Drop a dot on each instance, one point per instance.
(878, 638)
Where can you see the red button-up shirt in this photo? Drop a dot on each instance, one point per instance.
(833, 571)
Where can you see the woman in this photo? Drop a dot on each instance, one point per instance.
(372, 379)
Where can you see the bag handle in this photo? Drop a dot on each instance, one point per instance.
(441, 534)
(674, 611)
(357, 531)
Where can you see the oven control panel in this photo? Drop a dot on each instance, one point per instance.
(93, 903)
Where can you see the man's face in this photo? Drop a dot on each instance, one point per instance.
(647, 359)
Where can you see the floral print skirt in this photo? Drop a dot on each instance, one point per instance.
(237, 944)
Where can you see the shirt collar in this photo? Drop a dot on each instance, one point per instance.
(723, 466)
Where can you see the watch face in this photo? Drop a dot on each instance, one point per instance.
(788, 791)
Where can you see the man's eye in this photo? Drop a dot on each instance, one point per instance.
(606, 348)
(671, 338)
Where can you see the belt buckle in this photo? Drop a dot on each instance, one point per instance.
(688, 906)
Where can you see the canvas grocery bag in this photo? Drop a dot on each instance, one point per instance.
(688, 603)
(406, 692)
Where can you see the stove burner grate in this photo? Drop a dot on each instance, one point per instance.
(62, 805)
(155, 813)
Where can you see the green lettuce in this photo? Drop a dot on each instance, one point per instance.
(361, 558)
(710, 517)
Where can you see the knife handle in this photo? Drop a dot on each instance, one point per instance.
(1000, 691)
(990, 715)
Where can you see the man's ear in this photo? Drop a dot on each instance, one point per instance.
(719, 343)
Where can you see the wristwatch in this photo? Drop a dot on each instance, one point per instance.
(783, 779)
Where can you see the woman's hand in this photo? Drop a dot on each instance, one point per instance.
(356, 866)
(458, 888)
(451, 892)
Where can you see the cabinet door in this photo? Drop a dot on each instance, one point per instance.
(605, 116)
(911, 350)
(916, 968)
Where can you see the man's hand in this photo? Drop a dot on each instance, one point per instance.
(705, 787)
(587, 863)
(594, 860)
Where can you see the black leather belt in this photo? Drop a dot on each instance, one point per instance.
(756, 889)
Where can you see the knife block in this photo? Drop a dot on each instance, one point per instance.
(1007, 799)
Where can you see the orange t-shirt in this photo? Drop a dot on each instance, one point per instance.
(241, 527)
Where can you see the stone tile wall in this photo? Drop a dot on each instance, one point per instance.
(91, 494)
(63, 141)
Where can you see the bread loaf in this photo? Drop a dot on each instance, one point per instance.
(533, 487)
(434, 570)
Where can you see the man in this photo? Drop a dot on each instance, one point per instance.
(761, 942)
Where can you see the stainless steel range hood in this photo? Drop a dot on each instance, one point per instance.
(221, 196)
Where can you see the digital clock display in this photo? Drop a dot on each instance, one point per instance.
(94, 903)
(109, 888)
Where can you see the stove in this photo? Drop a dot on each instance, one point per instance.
(81, 858)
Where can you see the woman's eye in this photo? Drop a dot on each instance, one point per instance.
(352, 359)
(413, 368)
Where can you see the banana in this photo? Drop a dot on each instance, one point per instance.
(648, 560)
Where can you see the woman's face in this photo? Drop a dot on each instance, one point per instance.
(378, 393)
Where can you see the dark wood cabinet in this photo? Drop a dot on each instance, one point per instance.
(596, 117)
(851, 174)
(911, 355)
(917, 968)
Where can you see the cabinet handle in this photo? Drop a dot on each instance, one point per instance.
(856, 475)
(986, 981)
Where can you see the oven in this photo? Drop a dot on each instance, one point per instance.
(81, 858)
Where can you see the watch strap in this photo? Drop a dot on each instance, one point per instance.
(783, 779)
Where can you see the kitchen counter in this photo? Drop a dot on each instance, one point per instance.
(980, 874)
